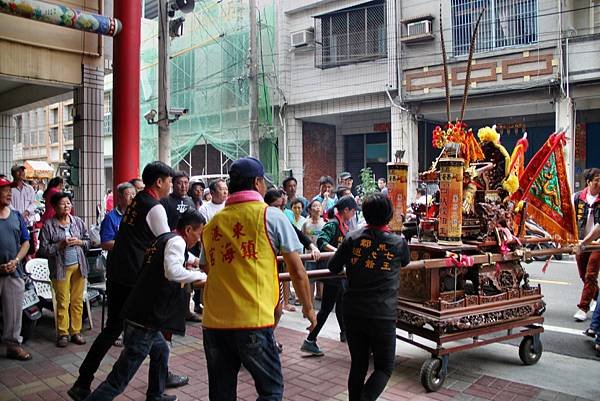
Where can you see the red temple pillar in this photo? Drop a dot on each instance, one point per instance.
(126, 92)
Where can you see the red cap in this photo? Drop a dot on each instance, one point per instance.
(4, 182)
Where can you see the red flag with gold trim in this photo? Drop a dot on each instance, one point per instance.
(545, 188)
(517, 158)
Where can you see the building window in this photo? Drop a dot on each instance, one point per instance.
(53, 132)
(53, 116)
(351, 35)
(68, 133)
(107, 124)
(42, 137)
(68, 112)
(150, 8)
(34, 138)
(18, 129)
(41, 118)
(505, 23)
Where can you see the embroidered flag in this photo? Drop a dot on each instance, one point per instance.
(517, 159)
(545, 188)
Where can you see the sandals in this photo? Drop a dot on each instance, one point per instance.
(17, 353)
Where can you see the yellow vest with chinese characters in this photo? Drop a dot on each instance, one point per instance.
(242, 288)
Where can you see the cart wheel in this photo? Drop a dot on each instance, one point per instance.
(432, 377)
(527, 353)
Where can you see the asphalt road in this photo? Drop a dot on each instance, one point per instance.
(561, 287)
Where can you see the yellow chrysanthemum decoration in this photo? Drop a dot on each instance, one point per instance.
(519, 206)
(511, 184)
(488, 134)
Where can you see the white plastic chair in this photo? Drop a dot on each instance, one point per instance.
(40, 275)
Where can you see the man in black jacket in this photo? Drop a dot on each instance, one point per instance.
(156, 303)
(178, 201)
(144, 220)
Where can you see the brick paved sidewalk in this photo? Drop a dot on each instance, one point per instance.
(52, 370)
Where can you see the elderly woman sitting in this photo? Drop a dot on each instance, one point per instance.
(63, 241)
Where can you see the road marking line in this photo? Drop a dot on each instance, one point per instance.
(564, 330)
(564, 262)
(534, 280)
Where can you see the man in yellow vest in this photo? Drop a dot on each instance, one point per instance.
(242, 289)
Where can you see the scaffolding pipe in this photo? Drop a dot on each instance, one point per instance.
(62, 15)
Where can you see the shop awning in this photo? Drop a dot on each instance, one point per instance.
(38, 169)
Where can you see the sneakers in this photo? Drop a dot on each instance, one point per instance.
(580, 316)
(174, 380)
(198, 308)
(279, 347)
(312, 348)
(78, 393)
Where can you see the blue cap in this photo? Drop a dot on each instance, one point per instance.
(247, 167)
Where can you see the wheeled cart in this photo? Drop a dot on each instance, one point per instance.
(484, 303)
(434, 370)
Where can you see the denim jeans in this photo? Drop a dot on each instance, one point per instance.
(138, 343)
(595, 323)
(227, 350)
(363, 336)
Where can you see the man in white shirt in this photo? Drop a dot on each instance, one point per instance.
(23, 195)
(219, 192)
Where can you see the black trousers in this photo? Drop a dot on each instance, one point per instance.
(117, 295)
(364, 336)
(332, 296)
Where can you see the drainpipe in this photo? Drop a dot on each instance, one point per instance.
(62, 15)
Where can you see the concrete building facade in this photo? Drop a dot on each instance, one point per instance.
(535, 69)
(336, 85)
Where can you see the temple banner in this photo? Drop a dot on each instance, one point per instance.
(450, 215)
(397, 192)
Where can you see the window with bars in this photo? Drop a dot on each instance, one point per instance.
(505, 23)
(351, 35)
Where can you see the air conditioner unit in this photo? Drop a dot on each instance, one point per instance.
(302, 38)
(419, 28)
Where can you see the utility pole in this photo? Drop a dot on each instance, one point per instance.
(253, 82)
(164, 134)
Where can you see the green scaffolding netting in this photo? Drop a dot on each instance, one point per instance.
(209, 76)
